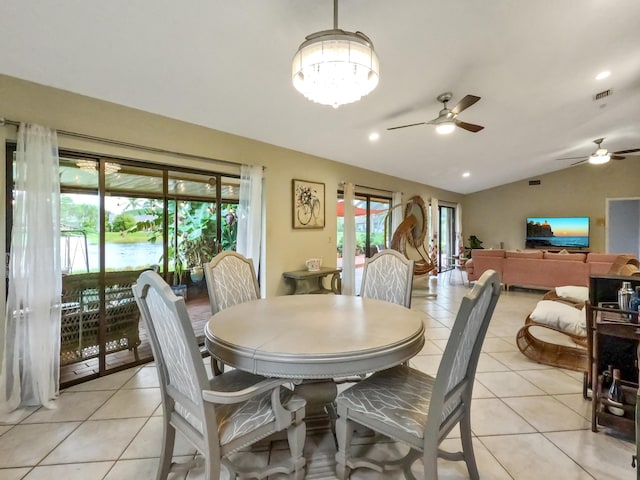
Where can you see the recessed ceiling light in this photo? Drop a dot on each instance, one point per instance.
(603, 75)
(466, 174)
(374, 136)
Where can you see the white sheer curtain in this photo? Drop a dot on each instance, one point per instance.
(396, 209)
(30, 342)
(434, 232)
(459, 238)
(349, 242)
(250, 214)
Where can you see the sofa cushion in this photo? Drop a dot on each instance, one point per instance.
(530, 255)
(602, 257)
(481, 252)
(571, 257)
(560, 316)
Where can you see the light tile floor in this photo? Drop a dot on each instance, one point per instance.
(529, 421)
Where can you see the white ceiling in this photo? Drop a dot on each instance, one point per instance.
(226, 64)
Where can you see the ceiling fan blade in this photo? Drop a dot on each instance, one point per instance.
(465, 103)
(633, 150)
(468, 126)
(581, 161)
(405, 126)
(574, 158)
(617, 157)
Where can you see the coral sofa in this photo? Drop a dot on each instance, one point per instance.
(539, 268)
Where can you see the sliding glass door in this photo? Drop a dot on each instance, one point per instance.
(447, 237)
(118, 218)
(371, 215)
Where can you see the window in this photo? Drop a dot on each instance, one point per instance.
(119, 217)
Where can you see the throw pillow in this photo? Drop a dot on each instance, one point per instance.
(560, 316)
(573, 293)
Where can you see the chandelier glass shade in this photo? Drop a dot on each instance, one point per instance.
(335, 67)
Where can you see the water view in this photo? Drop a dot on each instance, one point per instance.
(119, 256)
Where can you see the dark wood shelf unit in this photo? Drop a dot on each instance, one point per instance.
(612, 340)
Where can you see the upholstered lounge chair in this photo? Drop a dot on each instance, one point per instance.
(561, 319)
(218, 416)
(571, 357)
(417, 409)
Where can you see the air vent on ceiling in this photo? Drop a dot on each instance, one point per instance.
(603, 94)
(534, 182)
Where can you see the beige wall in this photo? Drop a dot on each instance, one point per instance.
(286, 248)
(499, 214)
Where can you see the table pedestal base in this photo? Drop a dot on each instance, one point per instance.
(320, 396)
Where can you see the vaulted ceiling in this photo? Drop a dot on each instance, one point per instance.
(227, 65)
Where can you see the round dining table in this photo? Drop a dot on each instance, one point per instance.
(306, 337)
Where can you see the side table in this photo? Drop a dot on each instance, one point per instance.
(305, 281)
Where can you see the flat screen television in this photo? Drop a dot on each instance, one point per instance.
(557, 232)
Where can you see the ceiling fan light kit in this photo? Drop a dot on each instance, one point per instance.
(599, 158)
(445, 128)
(335, 67)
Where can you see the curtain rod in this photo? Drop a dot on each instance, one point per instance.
(6, 121)
(368, 188)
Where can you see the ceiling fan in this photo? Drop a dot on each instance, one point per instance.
(601, 155)
(447, 119)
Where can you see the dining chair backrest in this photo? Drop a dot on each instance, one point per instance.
(388, 275)
(456, 372)
(178, 360)
(231, 279)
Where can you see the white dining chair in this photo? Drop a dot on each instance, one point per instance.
(388, 275)
(417, 409)
(231, 279)
(218, 416)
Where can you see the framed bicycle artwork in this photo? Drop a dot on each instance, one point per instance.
(308, 204)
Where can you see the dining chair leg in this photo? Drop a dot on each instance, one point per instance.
(213, 468)
(166, 453)
(430, 460)
(467, 447)
(344, 434)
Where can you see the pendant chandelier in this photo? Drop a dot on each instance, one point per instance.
(335, 67)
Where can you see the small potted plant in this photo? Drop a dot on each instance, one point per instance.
(179, 288)
(196, 273)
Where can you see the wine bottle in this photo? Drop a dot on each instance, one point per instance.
(607, 379)
(615, 396)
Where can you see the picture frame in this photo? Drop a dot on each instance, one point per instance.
(308, 204)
